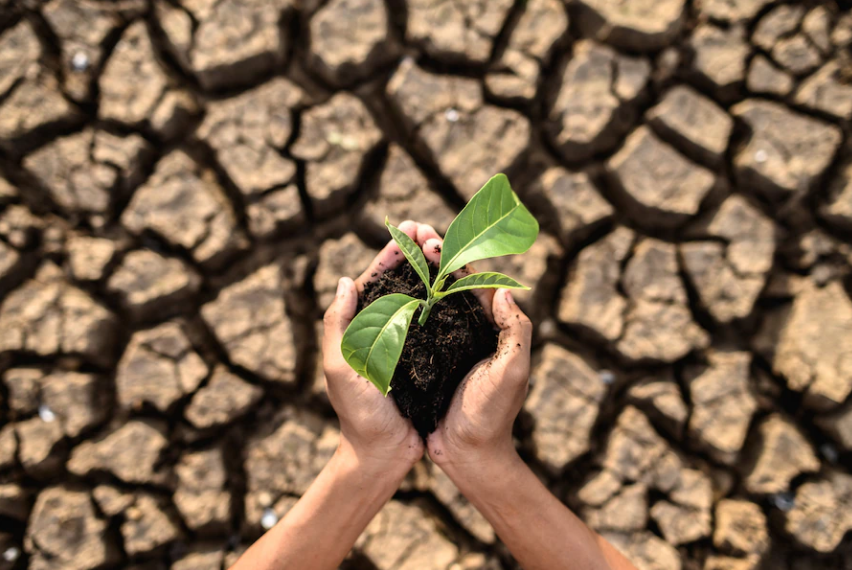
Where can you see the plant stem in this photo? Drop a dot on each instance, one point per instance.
(424, 313)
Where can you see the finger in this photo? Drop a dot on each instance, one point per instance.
(338, 316)
(515, 342)
(425, 232)
(389, 257)
(432, 250)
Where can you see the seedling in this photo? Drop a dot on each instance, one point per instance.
(493, 223)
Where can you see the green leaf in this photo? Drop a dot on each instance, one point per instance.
(484, 280)
(373, 340)
(493, 223)
(411, 251)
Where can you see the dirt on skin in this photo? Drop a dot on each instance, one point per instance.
(438, 355)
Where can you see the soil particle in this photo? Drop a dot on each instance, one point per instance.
(438, 355)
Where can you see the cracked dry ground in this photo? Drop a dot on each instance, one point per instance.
(182, 182)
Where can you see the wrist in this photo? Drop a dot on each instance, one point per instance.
(380, 465)
(475, 470)
(495, 486)
(451, 452)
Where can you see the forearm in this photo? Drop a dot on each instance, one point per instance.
(322, 527)
(540, 531)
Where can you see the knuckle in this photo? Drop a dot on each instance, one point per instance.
(517, 370)
(524, 322)
(334, 367)
(522, 377)
(525, 326)
(517, 375)
(330, 370)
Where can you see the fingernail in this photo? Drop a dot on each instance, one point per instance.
(341, 286)
(509, 298)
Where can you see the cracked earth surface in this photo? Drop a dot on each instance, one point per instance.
(183, 181)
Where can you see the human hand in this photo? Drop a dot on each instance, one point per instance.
(370, 424)
(478, 426)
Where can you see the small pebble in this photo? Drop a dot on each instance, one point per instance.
(783, 501)
(265, 499)
(80, 61)
(11, 554)
(547, 329)
(760, 156)
(269, 519)
(607, 377)
(452, 115)
(46, 414)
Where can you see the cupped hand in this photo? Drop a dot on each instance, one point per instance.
(369, 422)
(478, 425)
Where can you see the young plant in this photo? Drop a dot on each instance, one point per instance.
(493, 223)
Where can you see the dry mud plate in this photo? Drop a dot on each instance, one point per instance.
(182, 182)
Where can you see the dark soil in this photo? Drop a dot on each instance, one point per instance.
(437, 356)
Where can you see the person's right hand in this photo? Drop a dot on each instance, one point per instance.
(478, 424)
(370, 423)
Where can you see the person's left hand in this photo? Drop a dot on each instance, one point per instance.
(370, 423)
(476, 432)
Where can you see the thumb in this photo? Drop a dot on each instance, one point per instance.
(513, 348)
(338, 316)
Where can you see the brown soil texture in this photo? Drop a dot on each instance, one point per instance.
(182, 184)
(436, 356)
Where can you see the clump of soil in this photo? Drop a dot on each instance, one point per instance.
(438, 355)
